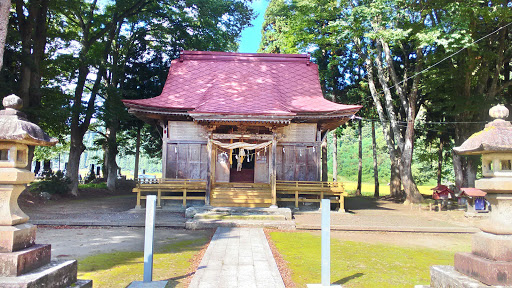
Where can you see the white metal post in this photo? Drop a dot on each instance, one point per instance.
(326, 242)
(148, 239)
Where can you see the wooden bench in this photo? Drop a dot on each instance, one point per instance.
(311, 191)
(163, 187)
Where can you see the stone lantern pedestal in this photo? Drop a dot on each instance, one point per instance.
(490, 262)
(22, 262)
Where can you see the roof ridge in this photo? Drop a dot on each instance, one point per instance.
(234, 56)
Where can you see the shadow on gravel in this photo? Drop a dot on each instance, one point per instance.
(361, 203)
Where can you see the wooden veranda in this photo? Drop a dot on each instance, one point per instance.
(241, 194)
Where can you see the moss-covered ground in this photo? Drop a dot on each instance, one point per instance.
(118, 269)
(357, 264)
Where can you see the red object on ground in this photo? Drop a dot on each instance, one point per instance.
(442, 192)
(241, 84)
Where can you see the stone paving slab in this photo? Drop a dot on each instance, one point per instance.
(238, 257)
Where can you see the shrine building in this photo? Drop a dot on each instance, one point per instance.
(242, 130)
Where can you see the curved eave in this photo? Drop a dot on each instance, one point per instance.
(482, 149)
(28, 140)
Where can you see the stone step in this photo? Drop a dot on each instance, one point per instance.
(228, 216)
(196, 224)
(56, 274)
(20, 262)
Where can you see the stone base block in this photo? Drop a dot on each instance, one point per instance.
(23, 261)
(81, 284)
(446, 277)
(57, 274)
(492, 246)
(154, 284)
(484, 270)
(14, 238)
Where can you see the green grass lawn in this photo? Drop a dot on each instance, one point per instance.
(119, 269)
(367, 189)
(356, 264)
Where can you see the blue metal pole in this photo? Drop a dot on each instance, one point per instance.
(148, 239)
(326, 242)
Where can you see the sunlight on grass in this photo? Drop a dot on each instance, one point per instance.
(101, 185)
(356, 264)
(119, 269)
(367, 189)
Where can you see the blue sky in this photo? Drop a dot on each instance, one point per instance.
(251, 36)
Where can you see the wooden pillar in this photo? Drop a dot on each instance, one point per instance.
(324, 159)
(273, 170)
(208, 171)
(334, 156)
(165, 138)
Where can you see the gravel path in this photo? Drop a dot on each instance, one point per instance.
(110, 210)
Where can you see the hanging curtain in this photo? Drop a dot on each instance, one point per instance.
(242, 145)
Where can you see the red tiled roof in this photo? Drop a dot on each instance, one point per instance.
(442, 188)
(473, 192)
(242, 83)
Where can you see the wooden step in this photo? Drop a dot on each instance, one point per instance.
(248, 205)
(230, 189)
(233, 194)
(229, 196)
(239, 200)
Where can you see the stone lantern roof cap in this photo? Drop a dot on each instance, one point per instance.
(495, 138)
(15, 127)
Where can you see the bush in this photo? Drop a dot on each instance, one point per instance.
(53, 183)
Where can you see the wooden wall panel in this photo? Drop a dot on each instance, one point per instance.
(222, 167)
(279, 163)
(194, 161)
(301, 163)
(204, 161)
(186, 131)
(186, 161)
(297, 163)
(313, 166)
(289, 162)
(261, 167)
(298, 132)
(172, 161)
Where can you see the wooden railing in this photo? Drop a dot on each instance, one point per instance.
(170, 189)
(310, 191)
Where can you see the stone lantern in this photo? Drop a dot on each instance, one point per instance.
(22, 262)
(490, 262)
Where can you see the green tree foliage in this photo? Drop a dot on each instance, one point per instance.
(382, 49)
(87, 55)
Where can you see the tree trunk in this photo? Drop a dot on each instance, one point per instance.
(375, 164)
(37, 167)
(111, 155)
(457, 169)
(360, 167)
(440, 163)
(395, 183)
(324, 159)
(137, 153)
(5, 6)
(76, 148)
(334, 156)
(471, 169)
